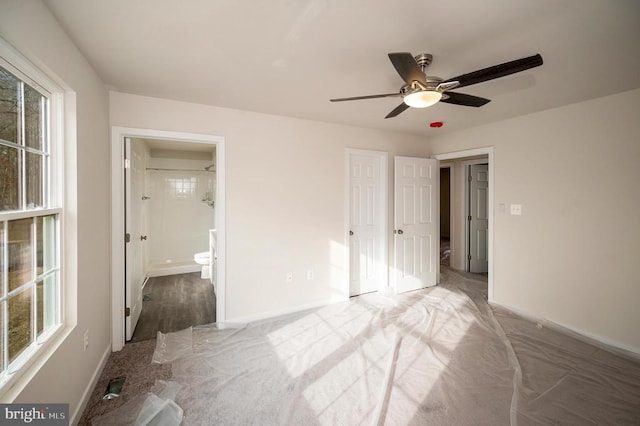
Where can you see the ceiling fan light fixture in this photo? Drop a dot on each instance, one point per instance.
(422, 99)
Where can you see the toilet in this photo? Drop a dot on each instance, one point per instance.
(204, 259)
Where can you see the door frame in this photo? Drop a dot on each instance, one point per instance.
(448, 165)
(488, 151)
(383, 159)
(118, 135)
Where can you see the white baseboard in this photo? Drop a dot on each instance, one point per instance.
(285, 311)
(180, 269)
(75, 418)
(599, 341)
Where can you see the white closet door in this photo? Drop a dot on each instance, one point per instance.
(417, 239)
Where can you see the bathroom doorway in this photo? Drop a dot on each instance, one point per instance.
(170, 220)
(181, 190)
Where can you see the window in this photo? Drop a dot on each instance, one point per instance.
(30, 218)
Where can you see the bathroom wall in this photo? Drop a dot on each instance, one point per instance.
(178, 221)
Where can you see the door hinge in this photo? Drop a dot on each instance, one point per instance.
(469, 259)
(470, 178)
(127, 163)
(127, 238)
(127, 312)
(469, 218)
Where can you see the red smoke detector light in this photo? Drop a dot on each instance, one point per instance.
(436, 124)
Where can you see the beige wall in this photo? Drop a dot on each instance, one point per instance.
(572, 256)
(285, 188)
(65, 376)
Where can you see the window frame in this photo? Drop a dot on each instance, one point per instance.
(33, 356)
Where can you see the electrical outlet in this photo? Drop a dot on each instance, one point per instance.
(86, 340)
(310, 274)
(289, 277)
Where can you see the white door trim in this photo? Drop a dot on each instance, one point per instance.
(383, 158)
(488, 151)
(451, 210)
(117, 220)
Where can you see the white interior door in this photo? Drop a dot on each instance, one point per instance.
(417, 239)
(478, 218)
(367, 221)
(134, 273)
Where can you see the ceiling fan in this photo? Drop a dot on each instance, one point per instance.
(421, 90)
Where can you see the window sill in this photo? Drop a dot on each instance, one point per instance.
(15, 382)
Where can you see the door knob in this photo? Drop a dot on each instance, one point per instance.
(400, 231)
(350, 232)
(143, 237)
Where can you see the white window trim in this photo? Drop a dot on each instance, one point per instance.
(62, 115)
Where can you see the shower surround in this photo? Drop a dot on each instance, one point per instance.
(179, 213)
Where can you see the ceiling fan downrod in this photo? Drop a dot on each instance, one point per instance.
(424, 60)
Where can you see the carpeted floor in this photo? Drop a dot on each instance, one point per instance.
(435, 356)
(133, 362)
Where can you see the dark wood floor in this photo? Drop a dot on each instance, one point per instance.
(175, 302)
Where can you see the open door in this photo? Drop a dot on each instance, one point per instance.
(478, 218)
(417, 239)
(134, 270)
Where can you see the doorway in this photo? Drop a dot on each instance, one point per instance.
(119, 165)
(166, 290)
(458, 228)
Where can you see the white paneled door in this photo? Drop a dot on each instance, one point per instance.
(134, 274)
(367, 221)
(478, 218)
(416, 230)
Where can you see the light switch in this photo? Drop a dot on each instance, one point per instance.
(516, 209)
(501, 208)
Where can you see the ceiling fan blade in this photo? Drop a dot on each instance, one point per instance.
(400, 108)
(355, 98)
(407, 67)
(497, 71)
(465, 100)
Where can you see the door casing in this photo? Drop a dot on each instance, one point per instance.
(118, 135)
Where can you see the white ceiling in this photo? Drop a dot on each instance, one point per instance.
(288, 57)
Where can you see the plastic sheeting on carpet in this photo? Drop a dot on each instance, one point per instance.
(376, 359)
(565, 380)
(433, 356)
(171, 346)
(156, 408)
